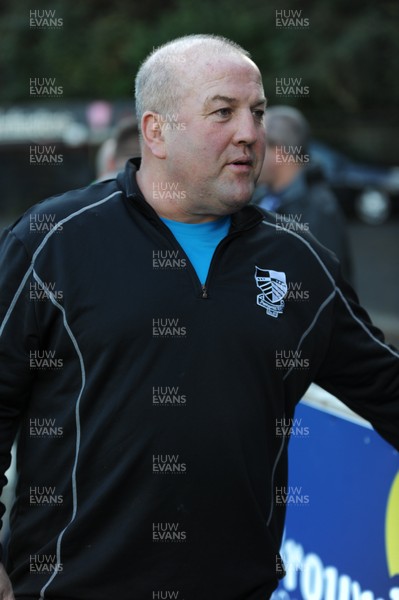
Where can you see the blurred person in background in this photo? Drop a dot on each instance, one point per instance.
(116, 150)
(291, 186)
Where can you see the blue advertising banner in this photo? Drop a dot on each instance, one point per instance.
(341, 540)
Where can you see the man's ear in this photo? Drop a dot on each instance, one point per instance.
(153, 133)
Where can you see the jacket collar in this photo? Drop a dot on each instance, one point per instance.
(244, 219)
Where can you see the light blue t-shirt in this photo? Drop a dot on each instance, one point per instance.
(199, 241)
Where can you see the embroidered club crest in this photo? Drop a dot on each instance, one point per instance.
(274, 287)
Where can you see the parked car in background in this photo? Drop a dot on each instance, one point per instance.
(367, 191)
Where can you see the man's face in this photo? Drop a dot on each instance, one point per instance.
(216, 155)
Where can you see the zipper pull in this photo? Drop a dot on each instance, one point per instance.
(204, 292)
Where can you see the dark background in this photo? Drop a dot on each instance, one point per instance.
(348, 55)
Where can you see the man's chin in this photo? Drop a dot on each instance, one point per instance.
(237, 202)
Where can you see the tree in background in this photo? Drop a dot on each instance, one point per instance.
(348, 56)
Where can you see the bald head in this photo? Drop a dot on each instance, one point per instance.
(164, 76)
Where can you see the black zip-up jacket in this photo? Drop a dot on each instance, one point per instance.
(149, 408)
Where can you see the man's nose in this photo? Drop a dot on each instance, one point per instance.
(247, 129)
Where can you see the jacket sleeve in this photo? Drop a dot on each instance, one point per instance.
(360, 368)
(18, 337)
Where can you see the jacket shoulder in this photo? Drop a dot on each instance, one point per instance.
(293, 238)
(51, 213)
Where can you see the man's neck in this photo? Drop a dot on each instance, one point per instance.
(161, 196)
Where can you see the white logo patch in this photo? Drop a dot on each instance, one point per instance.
(274, 287)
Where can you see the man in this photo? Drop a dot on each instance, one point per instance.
(293, 187)
(162, 405)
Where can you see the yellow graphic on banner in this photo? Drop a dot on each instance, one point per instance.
(392, 528)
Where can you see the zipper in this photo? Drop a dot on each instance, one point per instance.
(174, 244)
(203, 289)
(205, 286)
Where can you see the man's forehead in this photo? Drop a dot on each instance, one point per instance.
(208, 69)
(231, 91)
(232, 100)
(228, 79)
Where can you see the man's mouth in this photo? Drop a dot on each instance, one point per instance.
(242, 161)
(241, 165)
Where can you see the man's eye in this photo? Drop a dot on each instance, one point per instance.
(259, 114)
(224, 112)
